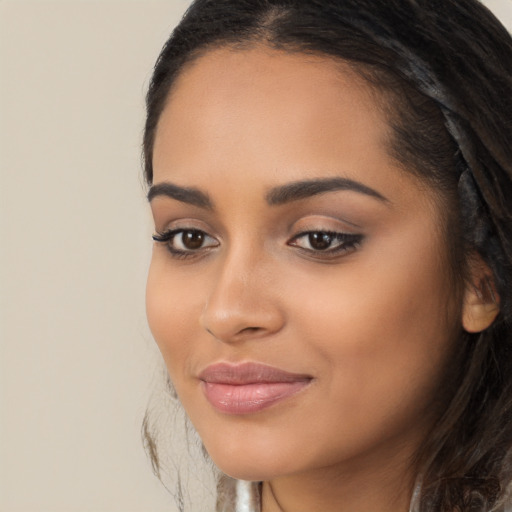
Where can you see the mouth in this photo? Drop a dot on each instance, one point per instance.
(249, 387)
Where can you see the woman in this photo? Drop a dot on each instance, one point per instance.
(330, 286)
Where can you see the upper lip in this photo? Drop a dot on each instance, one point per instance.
(248, 373)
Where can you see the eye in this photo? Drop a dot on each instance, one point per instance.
(186, 242)
(326, 242)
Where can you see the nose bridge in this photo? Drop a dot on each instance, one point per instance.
(240, 302)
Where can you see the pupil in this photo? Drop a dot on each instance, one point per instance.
(193, 239)
(320, 241)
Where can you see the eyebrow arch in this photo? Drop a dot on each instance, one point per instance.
(303, 189)
(188, 195)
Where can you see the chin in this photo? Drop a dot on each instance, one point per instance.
(245, 466)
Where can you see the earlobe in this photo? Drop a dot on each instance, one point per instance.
(481, 301)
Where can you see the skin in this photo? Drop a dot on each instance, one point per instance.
(373, 326)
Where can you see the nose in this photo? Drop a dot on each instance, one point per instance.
(243, 302)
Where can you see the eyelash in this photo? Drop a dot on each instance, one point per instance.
(168, 237)
(347, 242)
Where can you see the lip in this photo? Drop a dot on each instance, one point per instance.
(247, 388)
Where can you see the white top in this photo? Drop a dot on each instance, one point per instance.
(247, 498)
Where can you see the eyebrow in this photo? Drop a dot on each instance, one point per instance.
(303, 189)
(276, 196)
(187, 195)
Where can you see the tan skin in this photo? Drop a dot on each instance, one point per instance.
(370, 316)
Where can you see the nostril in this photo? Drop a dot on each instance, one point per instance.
(250, 329)
(246, 331)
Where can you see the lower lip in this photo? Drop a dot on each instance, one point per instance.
(250, 398)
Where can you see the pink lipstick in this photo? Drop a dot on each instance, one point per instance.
(248, 387)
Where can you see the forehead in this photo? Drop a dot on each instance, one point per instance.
(260, 68)
(228, 96)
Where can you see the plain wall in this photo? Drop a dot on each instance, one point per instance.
(76, 356)
(77, 362)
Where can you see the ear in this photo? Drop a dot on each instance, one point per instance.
(481, 301)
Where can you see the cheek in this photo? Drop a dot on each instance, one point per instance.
(383, 333)
(172, 314)
(395, 302)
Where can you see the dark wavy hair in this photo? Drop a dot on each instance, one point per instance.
(443, 69)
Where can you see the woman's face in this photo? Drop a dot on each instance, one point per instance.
(301, 298)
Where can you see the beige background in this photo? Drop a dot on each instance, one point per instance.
(76, 359)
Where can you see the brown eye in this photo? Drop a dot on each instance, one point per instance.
(192, 240)
(186, 242)
(326, 244)
(320, 241)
